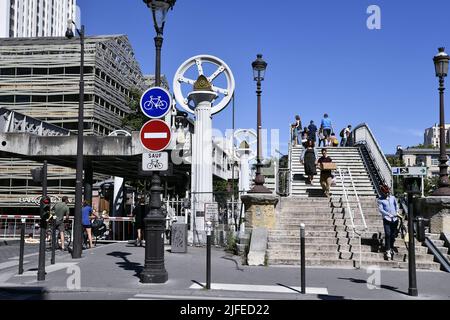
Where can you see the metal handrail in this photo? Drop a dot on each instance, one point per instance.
(344, 190)
(354, 231)
(363, 135)
(357, 199)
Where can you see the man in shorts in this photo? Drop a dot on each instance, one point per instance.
(327, 128)
(61, 211)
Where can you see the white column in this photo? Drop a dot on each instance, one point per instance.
(244, 179)
(118, 195)
(202, 180)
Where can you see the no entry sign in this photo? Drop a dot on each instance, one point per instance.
(155, 135)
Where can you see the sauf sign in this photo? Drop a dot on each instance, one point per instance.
(155, 135)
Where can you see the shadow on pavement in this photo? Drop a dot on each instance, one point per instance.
(390, 288)
(22, 293)
(127, 264)
(199, 283)
(330, 297)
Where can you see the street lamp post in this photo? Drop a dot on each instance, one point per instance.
(259, 70)
(441, 62)
(77, 238)
(154, 269)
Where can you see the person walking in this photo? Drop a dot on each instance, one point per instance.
(388, 208)
(327, 127)
(61, 212)
(321, 138)
(86, 213)
(312, 132)
(308, 159)
(345, 134)
(334, 142)
(139, 215)
(296, 130)
(326, 176)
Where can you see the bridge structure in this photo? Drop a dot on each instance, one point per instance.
(346, 229)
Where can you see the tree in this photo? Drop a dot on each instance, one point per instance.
(135, 119)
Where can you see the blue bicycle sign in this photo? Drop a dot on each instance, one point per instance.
(156, 102)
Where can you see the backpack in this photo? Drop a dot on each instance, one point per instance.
(342, 133)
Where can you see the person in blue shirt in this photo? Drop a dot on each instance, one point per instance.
(86, 212)
(388, 208)
(327, 127)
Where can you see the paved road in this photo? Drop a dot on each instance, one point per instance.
(112, 272)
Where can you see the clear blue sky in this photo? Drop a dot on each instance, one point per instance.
(321, 56)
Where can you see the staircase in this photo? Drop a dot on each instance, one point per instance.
(343, 157)
(330, 237)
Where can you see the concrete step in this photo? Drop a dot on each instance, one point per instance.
(332, 255)
(352, 264)
(433, 236)
(375, 256)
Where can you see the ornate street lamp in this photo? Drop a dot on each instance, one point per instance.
(259, 70)
(441, 61)
(154, 269)
(77, 236)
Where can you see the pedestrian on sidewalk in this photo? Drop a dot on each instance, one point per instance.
(86, 213)
(139, 214)
(388, 208)
(312, 132)
(308, 159)
(61, 212)
(326, 176)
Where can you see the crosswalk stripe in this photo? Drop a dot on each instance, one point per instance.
(259, 288)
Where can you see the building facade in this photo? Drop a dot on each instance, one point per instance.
(36, 18)
(417, 157)
(431, 136)
(39, 78)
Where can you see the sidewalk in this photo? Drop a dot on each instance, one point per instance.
(111, 272)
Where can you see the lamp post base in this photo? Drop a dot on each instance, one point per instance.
(154, 269)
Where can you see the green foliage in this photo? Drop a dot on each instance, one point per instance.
(395, 161)
(430, 184)
(135, 119)
(232, 243)
(223, 190)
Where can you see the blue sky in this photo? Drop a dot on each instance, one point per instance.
(321, 56)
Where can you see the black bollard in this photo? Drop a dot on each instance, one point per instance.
(302, 258)
(412, 289)
(53, 241)
(22, 245)
(208, 255)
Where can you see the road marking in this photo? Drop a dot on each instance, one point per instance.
(167, 297)
(260, 288)
(25, 256)
(49, 269)
(10, 264)
(155, 135)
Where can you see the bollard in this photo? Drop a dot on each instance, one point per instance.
(22, 245)
(41, 263)
(412, 279)
(53, 241)
(208, 254)
(302, 258)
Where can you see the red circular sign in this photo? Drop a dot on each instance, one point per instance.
(155, 135)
